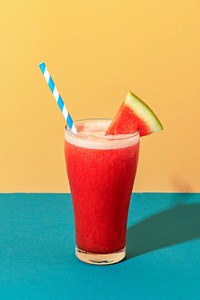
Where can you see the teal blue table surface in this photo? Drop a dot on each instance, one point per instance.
(37, 258)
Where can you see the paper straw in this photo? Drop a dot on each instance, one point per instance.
(57, 97)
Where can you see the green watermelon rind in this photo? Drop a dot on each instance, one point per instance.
(143, 111)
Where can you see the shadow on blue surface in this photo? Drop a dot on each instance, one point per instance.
(177, 224)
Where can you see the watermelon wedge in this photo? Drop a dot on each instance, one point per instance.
(134, 115)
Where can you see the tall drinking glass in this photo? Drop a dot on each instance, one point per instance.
(101, 171)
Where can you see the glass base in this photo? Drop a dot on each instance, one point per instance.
(100, 259)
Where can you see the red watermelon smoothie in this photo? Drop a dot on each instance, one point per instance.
(101, 171)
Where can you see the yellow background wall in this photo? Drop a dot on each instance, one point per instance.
(96, 52)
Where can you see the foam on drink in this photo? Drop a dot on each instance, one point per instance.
(91, 134)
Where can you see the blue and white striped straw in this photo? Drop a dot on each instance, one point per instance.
(57, 97)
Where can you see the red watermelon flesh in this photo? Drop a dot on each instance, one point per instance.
(134, 115)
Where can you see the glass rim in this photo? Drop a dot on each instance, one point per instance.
(99, 138)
